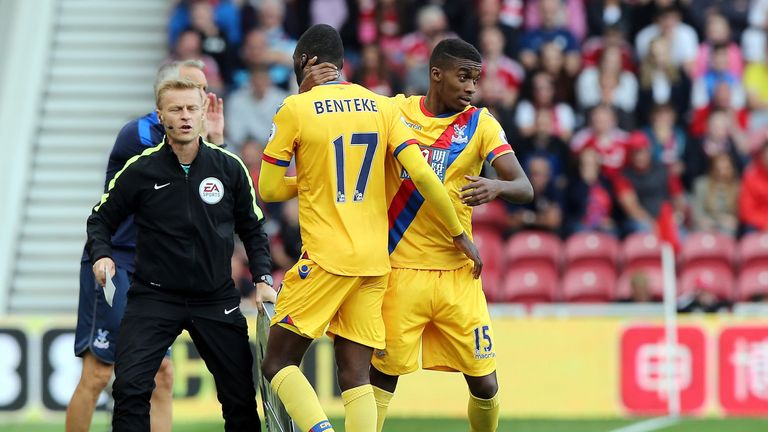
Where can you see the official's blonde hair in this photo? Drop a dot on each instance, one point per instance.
(176, 84)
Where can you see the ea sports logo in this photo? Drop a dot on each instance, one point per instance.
(211, 190)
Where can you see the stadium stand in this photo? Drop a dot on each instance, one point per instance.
(99, 73)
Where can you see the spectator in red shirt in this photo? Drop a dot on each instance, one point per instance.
(753, 199)
(592, 49)
(604, 136)
(721, 100)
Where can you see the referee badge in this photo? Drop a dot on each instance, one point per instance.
(211, 190)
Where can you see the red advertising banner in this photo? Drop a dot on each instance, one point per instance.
(644, 382)
(743, 370)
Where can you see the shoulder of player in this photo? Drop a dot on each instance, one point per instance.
(485, 119)
(139, 130)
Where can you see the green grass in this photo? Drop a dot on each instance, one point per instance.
(452, 425)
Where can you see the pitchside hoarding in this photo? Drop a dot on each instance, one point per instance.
(548, 367)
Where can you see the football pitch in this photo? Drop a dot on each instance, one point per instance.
(506, 425)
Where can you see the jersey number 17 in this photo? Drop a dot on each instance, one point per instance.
(370, 140)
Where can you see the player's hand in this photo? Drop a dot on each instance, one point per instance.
(98, 269)
(316, 74)
(480, 190)
(263, 293)
(214, 119)
(464, 244)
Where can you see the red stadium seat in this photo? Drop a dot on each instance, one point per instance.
(753, 281)
(654, 279)
(491, 248)
(534, 247)
(492, 215)
(753, 250)
(641, 250)
(591, 250)
(715, 279)
(708, 249)
(535, 284)
(588, 284)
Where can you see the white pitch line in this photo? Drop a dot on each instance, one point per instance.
(648, 425)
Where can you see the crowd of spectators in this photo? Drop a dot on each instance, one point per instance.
(613, 107)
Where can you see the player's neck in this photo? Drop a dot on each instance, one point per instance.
(186, 152)
(433, 104)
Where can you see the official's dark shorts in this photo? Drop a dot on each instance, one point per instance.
(98, 324)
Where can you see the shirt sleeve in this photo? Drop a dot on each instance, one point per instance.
(283, 137)
(494, 142)
(399, 135)
(115, 205)
(249, 222)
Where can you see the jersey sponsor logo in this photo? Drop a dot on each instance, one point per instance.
(229, 311)
(157, 186)
(413, 126)
(211, 190)
(437, 160)
(272, 132)
(459, 134)
(101, 340)
(304, 271)
(503, 137)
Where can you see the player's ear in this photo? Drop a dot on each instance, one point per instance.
(436, 74)
(303, 60)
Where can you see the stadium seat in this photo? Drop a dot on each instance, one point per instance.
(654, 279)
(491, 247)
(641, 250)
(492, 215)
(588, 284)
(753, 250)
(591, 250)
(708, 249)
(753, 282)
(534, 284)
(528, 247)
(715, 279)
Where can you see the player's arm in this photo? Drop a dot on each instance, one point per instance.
(116, 204)
(273, 184)
(512, 185)
(429, 185)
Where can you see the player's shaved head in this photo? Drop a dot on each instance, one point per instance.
(320, 40)
(453, 52)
